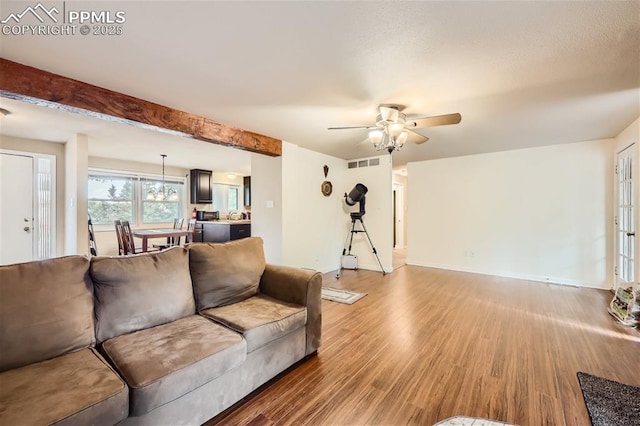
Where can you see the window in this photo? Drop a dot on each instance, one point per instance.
(140, 200)
(160, 205)
(110, 198)
(225, 197)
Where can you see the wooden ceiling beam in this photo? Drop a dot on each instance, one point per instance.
(25, 83)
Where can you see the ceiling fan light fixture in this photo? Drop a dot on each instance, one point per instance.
(376, 136)
(388, 114)
(401, 139)
(391, 130)
(395, 129)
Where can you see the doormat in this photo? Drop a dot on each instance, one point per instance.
(343, 296)
(609, 402)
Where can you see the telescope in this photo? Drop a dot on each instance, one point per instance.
(357, 195)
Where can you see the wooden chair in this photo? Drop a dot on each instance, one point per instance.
(191, 227)
(120, 237)
(172, 241)
(129, 244)
(127, 237)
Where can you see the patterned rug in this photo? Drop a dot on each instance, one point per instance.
(610, 403)
(470, 421)
(342, 296)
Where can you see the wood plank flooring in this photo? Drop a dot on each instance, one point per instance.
(428, 344)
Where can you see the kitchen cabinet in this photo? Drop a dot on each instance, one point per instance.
(197, 233)
(222, 231)
(247, 190)
(201, 186)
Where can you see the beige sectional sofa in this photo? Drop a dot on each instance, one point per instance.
(173, 337)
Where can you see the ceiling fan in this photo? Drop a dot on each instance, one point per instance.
(393, 128)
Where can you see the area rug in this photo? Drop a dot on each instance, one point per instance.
(342, 296)
(470, 421)
(610, 403)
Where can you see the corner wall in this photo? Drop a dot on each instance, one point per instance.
(266, 204)
(542, 214)
(312, 231)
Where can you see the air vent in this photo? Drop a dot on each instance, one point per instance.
(364, 163)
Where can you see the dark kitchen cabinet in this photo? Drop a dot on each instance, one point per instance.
(220, 232)
(197, 233)
(201, 186)
(247, 190)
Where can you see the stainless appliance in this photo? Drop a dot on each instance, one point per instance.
(206, 215)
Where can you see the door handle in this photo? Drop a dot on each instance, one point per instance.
(631, 234)
(26, 228)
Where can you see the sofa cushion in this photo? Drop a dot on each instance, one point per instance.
(163, 363)
(76, 388)
(137, 292)
(261, 319)
(226, 273)
(46, 310)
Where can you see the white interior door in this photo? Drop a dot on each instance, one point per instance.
(16, 208)
(399, 215)
(626, 217)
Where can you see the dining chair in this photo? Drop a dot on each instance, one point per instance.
(191, 227)
(172, 241)
(129, 244)
(120, 237)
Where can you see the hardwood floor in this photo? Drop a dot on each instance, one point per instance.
(427, 344)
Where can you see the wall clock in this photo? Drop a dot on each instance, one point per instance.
(326, 186)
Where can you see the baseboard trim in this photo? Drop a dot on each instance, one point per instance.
(538, 278)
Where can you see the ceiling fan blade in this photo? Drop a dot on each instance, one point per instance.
(415, 137)
(349, 127)
(437, 120)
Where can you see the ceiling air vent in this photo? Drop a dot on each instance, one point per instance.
(364, 163)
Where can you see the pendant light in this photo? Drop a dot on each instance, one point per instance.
(162, 196)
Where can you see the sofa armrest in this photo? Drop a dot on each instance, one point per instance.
(299, 286)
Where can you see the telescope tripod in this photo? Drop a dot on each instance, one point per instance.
(357, 217)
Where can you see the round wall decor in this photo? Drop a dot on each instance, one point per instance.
(326, 188)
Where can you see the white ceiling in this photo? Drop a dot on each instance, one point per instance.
(521, 74)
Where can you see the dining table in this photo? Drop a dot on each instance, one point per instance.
(146, 234)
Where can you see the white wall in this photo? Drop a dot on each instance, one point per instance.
(312, 223)
(379, 213)
(541, 213)
(76, 175)
(266, 204)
